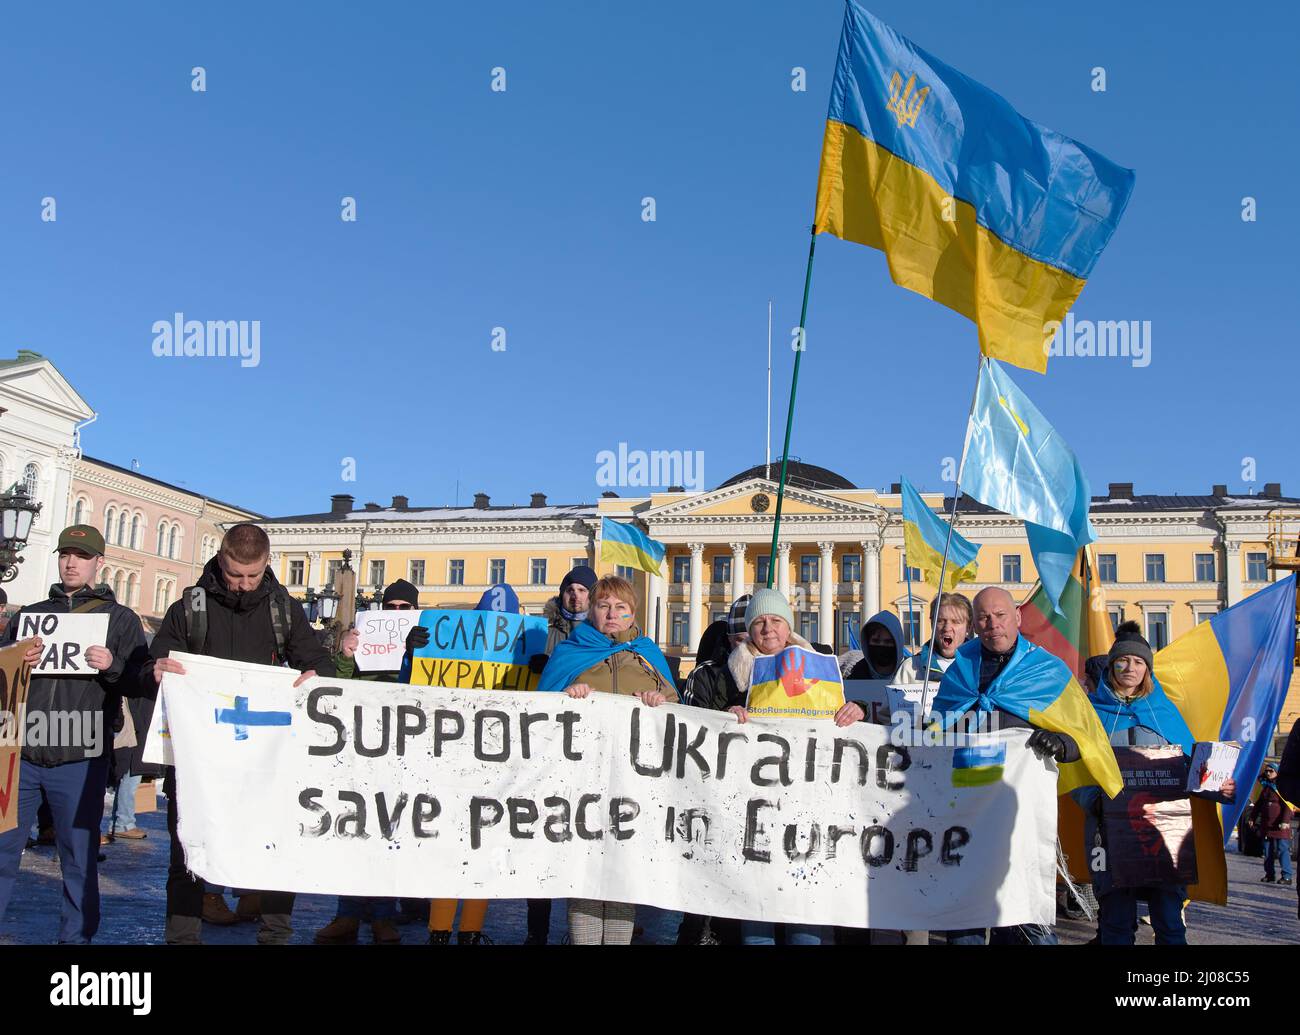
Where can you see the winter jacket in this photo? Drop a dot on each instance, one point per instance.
(240, 627)
(346, 668)
(912, 670)
(888, 621)
(1271, 814)
(88, 695)
(1288, 770)
(625, 672)
(558, 628)
(711, 685)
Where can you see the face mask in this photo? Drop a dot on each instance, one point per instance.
(882, 657)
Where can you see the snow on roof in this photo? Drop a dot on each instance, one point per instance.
(474, 513)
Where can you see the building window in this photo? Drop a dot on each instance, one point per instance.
(575, 562)
(1256, 567)
(332, 569)
(1204, 614)
(31, 479)
(1116, 616)
(681, 569)
(174, 543)
(537, 571)
(719, 616)
(1158, 630)
(1155, 569)
(808, 625)
(1011, 567)
(162, 535)
(761, 566)
(456, 573)
(851, 568)
(911, 628)
(110, 523)
(137, 527)
(132, 590)
(1205, 567)
(626, 571)
(680, 629)
(722, 569)
(906, 572)
(415, 573)
(848, 626)
(297, 570)
(1107, 568)
(79, 513)
(376, 573)
(122, 539)
(809, 567)
(496, 571)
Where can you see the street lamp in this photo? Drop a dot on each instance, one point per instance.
(17, 512)
(311, 604)
(329, 603)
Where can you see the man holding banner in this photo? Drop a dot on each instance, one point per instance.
(67, 728)
(239, 611)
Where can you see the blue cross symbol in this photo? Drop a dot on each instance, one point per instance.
(241, 718)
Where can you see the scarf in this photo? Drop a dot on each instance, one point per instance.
(587, 647)
(1154, 712)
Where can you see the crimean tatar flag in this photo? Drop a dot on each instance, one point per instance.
(975, 206)
(627, 544)
(924, 537)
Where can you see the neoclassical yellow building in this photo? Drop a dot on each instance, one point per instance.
(1168, 562)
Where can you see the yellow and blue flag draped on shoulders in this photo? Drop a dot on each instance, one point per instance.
(1015, 462)
(924, 536)
(975, 206)
(626, 544)
(1039, 688)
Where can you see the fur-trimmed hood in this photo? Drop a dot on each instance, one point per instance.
(740, 663)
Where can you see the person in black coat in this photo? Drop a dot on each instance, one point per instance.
(238, 611)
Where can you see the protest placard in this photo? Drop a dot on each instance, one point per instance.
(795, 683)
(1212, 763)
(65, 638)
(352, 788)
(382, 638)
(15, 676)
(1148, 825)
(479, 650)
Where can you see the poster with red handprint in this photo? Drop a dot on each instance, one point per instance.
(796, 684)
(1147, 827)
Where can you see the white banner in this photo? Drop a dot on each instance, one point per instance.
(357, 788)
(65, 638)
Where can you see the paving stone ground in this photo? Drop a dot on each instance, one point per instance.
(133, 876)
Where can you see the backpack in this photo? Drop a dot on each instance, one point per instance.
(196, 620)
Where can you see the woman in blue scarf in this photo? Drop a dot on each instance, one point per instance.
(607, 653)
(1134, 710)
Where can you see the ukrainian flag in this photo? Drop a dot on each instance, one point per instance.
(992, 215)
(977, 766)
(924, 536)
(626, 544)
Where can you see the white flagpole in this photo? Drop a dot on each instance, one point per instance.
(767, 471)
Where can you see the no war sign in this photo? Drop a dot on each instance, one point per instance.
(355, 788)
(65, 638)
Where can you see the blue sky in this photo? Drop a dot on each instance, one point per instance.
(522, 210)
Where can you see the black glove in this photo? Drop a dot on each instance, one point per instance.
(1044, 742)
(418, 637)
(538, 662)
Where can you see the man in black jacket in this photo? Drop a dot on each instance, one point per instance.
(68, 732)
(238, 611)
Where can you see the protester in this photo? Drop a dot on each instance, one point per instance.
(1135, 712)
(1288, 778)
(607, 653)
(882, 646)
(768, 622)
(381, 913)
(563, 612)
(1271, 816)
(970, 692)
(473, 913)
(126, 769)
(950, 618)
(238, 611)
(72, 777)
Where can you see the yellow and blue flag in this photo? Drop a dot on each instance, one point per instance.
(924, 536)
(978, 765)
(797, 683)
(1015, 462)
(994, 216)
(628, 545)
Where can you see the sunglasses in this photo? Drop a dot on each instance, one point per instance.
(399, 607)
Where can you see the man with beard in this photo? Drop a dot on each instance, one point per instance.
(239, 611)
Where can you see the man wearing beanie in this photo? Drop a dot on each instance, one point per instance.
(380, 912)
(563, 612)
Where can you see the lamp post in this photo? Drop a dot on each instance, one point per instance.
(17, 512)
(311, 605)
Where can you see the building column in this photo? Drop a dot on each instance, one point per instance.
(783, 570)
(315, 574)
(697, 596)
(1232, 569)
(737, 571)
(870, 580)
(826, 593)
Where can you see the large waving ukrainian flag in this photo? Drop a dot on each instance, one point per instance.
(992, 215)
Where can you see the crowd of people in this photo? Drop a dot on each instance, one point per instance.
(238, 611)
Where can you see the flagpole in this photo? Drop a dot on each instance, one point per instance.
(767, 471)
(789, 417)
(907, 572)
(952, 521)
